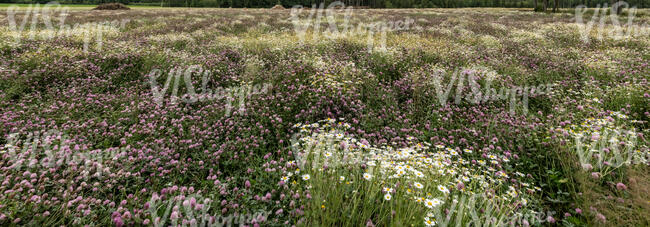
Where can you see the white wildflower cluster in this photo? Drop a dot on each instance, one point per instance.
(605, 144)
(427, 175)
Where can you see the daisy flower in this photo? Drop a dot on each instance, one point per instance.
(341, 178)
(367, 176)
(428, 204)
(401, 172)
(285, 178)
(429, 221)
(387, 196)
(306, 177)
(443, 189)
(436, 202)
(418, 185)
(431, 203)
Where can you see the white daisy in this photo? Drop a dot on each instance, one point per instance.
(436, 202)
(428, 204)
(387, 196)
(418, 185)
(443, 189)
(430, 221)
(306, 177)
(367, 176)
(431, 203)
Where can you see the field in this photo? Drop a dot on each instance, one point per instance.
(5, 6)
(410, 117)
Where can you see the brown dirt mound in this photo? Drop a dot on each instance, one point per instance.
(111, 6)
(278, 7)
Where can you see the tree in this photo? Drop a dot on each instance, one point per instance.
(617, 7)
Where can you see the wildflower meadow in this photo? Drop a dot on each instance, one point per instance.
(325, 115)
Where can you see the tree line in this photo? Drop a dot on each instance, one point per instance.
(539, 5)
